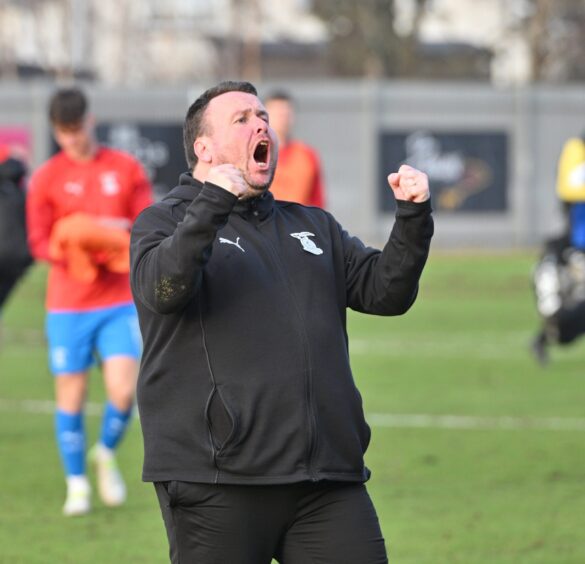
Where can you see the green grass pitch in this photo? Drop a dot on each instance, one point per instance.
(477, 453)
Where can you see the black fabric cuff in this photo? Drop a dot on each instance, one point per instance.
(215, 194)
(406, 209)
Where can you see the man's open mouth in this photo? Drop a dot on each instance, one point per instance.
(261, 153)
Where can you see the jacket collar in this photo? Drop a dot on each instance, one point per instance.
(255, 208)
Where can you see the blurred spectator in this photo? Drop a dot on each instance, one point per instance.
(14, 253)
(80, 207)
(559, 277)
(298, 176)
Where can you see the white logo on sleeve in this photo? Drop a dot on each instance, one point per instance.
(307, 244)
(228, 242)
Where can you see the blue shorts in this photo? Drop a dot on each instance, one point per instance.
(78, 339)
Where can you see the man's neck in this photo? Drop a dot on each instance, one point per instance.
(86, 156)
(199, 172)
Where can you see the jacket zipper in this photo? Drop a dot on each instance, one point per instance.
(308, 379)
(214, 451)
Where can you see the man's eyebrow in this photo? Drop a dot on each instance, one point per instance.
(241, 112)
(247, 111)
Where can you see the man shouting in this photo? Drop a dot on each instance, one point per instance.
(254, 430)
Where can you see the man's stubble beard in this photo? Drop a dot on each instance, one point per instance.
(256, 190)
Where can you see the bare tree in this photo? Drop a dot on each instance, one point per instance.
(409, 52)
(363, 39)
(251, 38)
(555, 33)
(365, 42)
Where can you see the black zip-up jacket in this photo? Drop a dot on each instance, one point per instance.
(245, 376)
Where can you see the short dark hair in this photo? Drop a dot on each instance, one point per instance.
(67, 107)
(282, 95)
(194, 125)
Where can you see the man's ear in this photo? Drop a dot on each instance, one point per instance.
(202, 150)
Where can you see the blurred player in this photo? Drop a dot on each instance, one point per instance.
(14, 253)
(559, 277)
(81, 205)
(298, 177)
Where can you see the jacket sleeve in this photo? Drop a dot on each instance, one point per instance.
(386, 282)
(167, 256)
(13, 170)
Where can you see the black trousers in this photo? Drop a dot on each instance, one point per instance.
(305, 523)
(569, 323)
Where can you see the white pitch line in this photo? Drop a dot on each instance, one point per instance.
(388, 420)
(471, 422)
(41, 407)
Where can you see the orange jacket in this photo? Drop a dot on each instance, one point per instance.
(85, 245)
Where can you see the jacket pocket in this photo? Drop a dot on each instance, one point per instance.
(220, 420)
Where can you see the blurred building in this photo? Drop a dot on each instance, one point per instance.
(135, 42)
(174, 42)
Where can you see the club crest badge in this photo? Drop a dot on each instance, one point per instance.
(308, 244)
(109, 183)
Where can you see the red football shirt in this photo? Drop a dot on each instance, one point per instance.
(112, 185)
(298, 175)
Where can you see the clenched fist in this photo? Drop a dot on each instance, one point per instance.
(228, 177)
(409, 184)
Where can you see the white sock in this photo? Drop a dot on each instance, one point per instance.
(78, 482)
(104, 452)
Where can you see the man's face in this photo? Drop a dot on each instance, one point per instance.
(281, 117)
(76, 140)
(238, 132)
